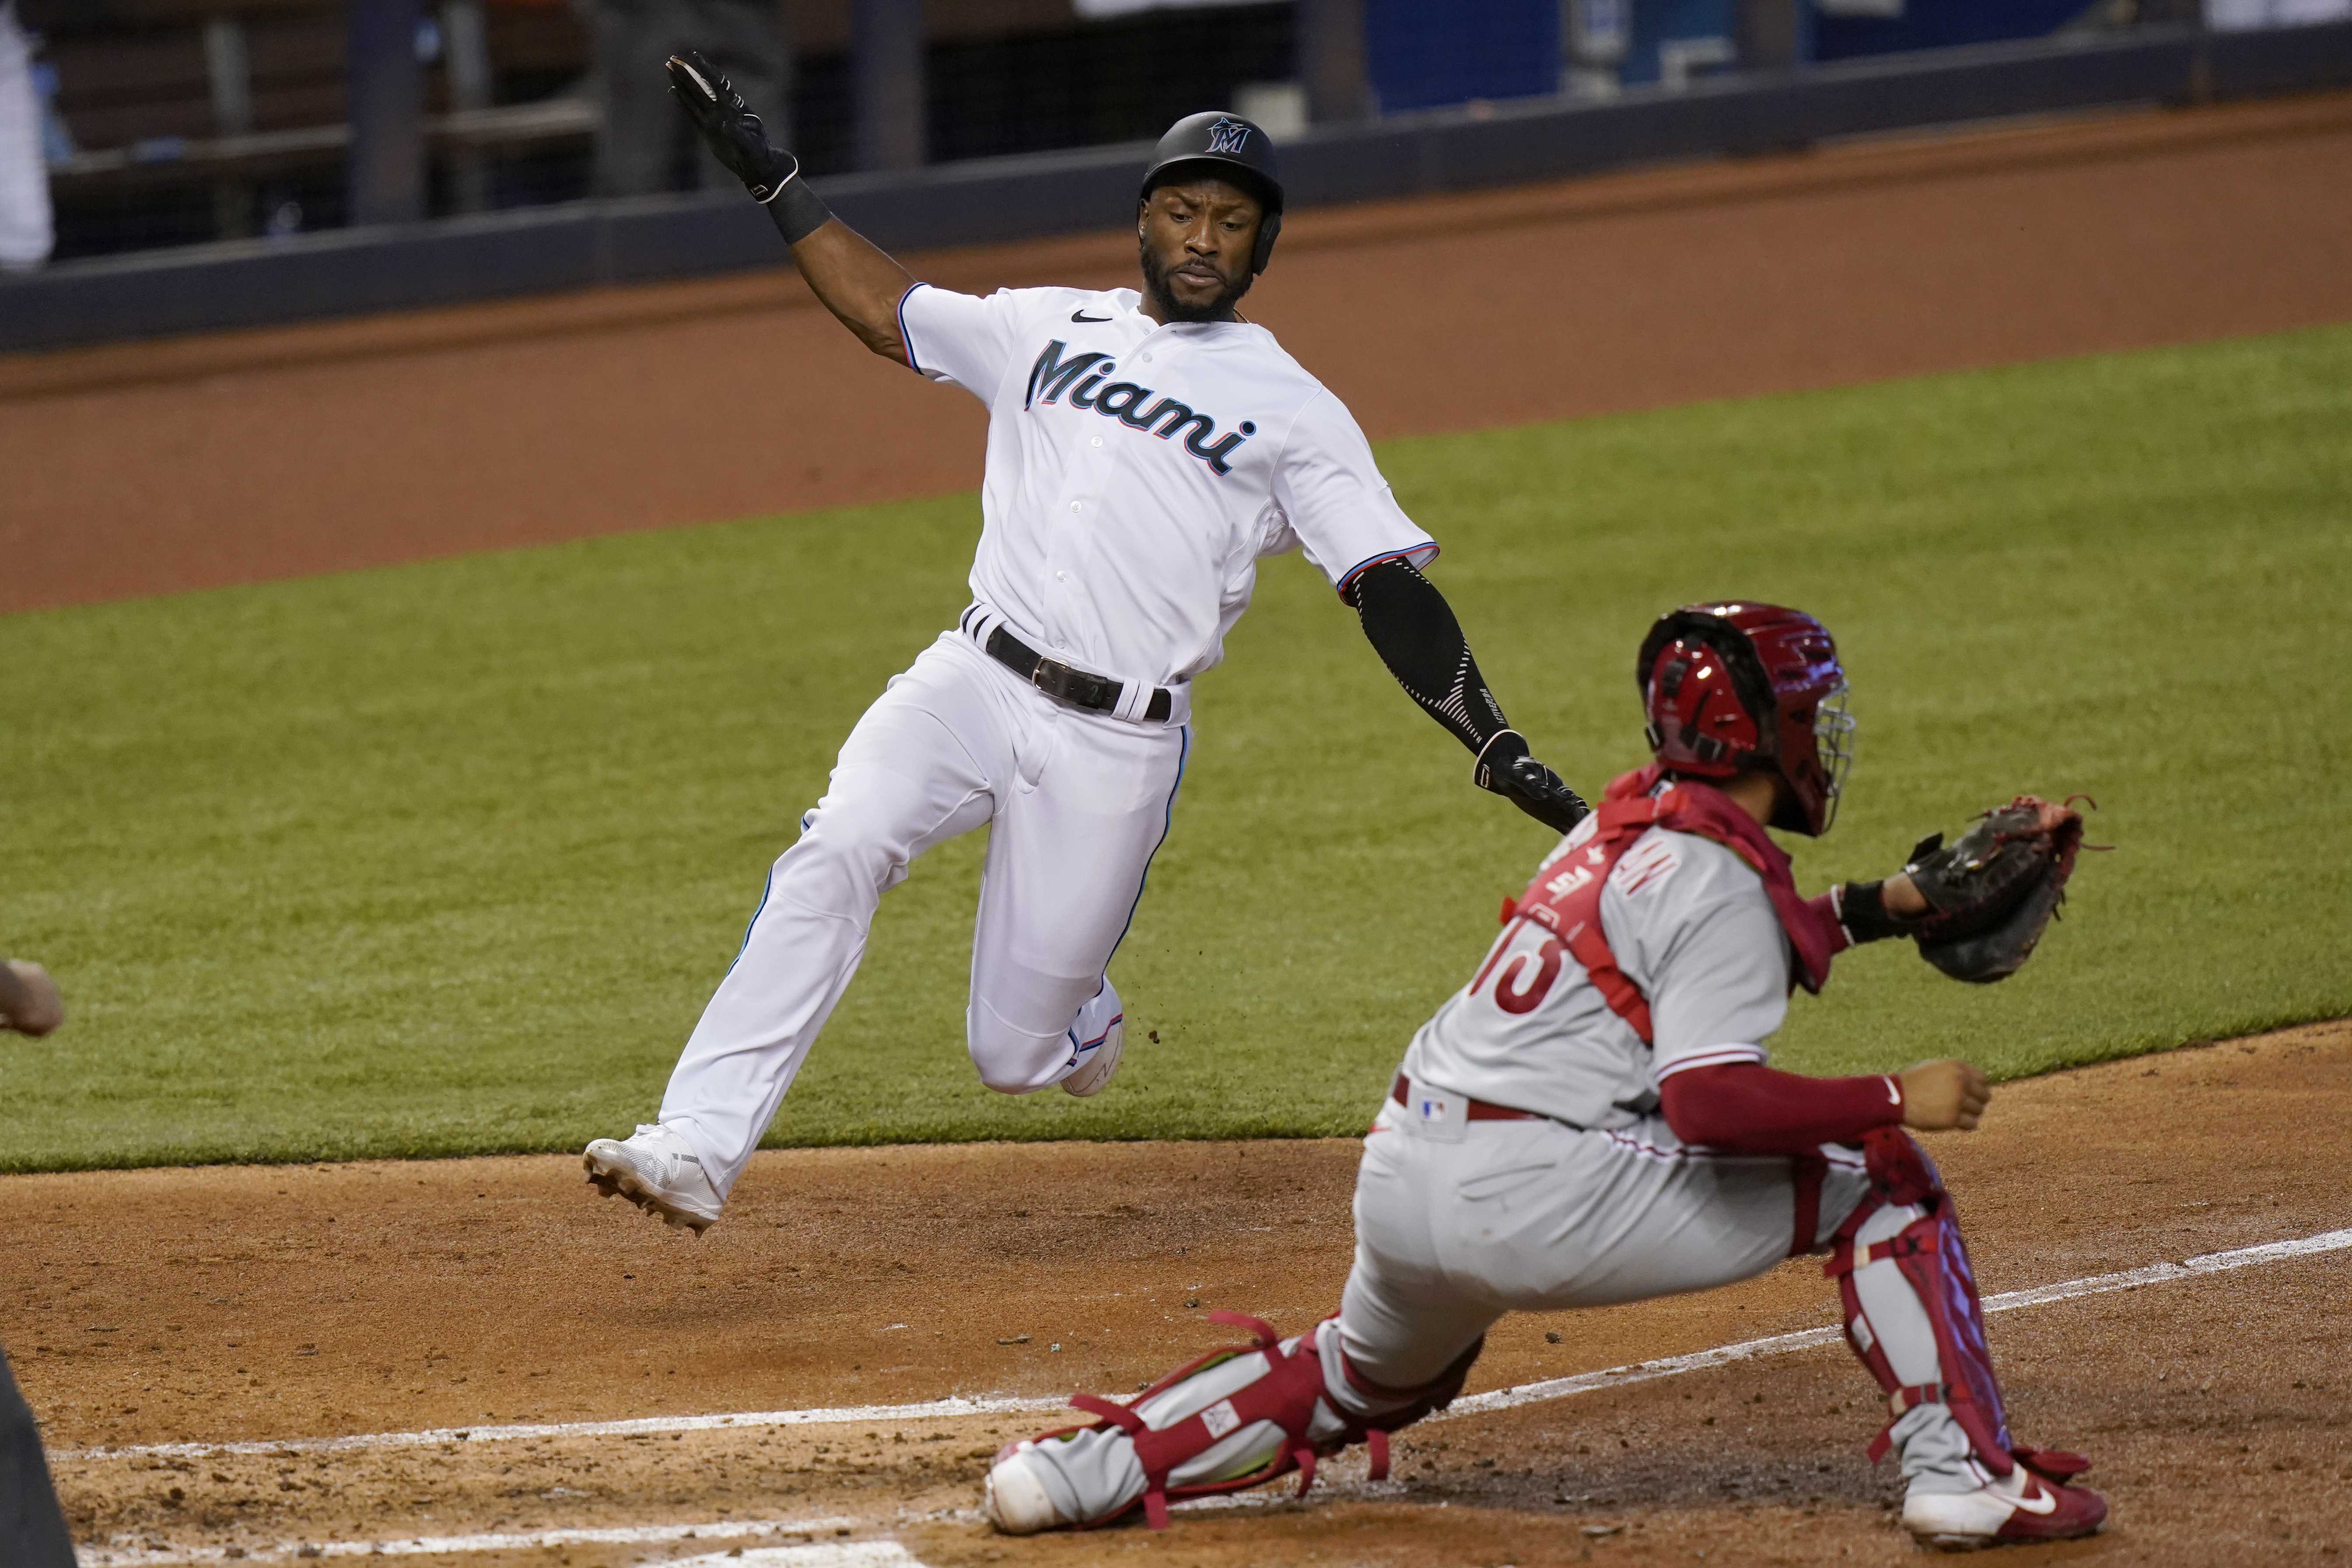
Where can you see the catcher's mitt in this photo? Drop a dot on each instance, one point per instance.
(1991, 893)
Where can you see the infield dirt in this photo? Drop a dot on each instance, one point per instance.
(222, 1304)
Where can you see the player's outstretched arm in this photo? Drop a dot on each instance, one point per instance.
(29, 1002)
(1415, 633)
(858, 282)
(1747, 1108)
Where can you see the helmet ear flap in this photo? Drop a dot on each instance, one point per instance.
(1269, 229)
(1708, 640)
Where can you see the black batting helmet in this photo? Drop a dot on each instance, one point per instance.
(1231, 147)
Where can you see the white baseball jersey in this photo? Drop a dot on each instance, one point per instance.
(1690, 924)
(1136, 472)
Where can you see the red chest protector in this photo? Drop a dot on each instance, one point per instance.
(1565, 897)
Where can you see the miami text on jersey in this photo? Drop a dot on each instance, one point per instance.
(1082, 377)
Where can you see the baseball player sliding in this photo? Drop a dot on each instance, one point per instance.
(1590, 1121)
(1145, 450)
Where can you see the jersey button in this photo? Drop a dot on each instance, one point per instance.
(1097, 441)
(1074, 506)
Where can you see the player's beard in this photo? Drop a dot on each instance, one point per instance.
(1171, 308)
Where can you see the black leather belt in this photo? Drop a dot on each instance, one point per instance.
(1064, 684)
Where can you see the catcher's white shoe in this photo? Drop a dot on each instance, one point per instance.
(1097, 1038)
(2020, 1506)
(1012, 1496)
(655, 1171)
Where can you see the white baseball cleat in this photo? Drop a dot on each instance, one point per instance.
(655, 1171)
(1013, 1499)
(1097, 1038)
(2020, 1506)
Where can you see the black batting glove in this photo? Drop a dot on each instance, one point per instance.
(731, 131)
(1505, 767)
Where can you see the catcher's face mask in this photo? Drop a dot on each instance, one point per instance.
(1833, 745)
(1728, 686)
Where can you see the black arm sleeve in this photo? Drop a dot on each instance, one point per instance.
(1414, 631)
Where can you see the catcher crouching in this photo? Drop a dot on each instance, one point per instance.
(1590, 1121)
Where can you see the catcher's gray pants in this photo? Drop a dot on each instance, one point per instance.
(645, 142)
(32, 1530)
(1458, 1223)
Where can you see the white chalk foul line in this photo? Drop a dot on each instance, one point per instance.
(842, 1554)
(937, 1409)
(838, 1415)
(815, 1554)
(1781, 1344)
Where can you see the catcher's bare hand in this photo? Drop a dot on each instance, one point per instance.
(1902, 897)
(29, 1002)
(1939, 1096)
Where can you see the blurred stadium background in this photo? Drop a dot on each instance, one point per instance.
(185, 145)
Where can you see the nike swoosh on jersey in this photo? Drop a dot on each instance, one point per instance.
(1082, 316)
(2040, 1499)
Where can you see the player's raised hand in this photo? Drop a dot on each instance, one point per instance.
(1505, 768)
(733, 133)
(1939, 1096)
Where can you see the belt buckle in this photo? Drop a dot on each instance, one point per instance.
(1053, 678)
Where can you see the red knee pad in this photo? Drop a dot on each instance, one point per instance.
(1899, 1170)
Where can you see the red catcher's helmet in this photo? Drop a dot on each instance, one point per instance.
(1733, 685)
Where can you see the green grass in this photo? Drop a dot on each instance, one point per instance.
(445, 858)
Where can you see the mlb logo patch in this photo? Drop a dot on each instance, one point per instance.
(1436, 1113)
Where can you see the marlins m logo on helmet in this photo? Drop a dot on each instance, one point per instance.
(1229, 135)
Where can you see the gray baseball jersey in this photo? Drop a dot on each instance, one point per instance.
(1691, 925)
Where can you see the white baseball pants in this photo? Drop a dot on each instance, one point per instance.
(1076, 802)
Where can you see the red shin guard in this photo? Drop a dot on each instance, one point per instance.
(1285, 1397)
(1935, 1260)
